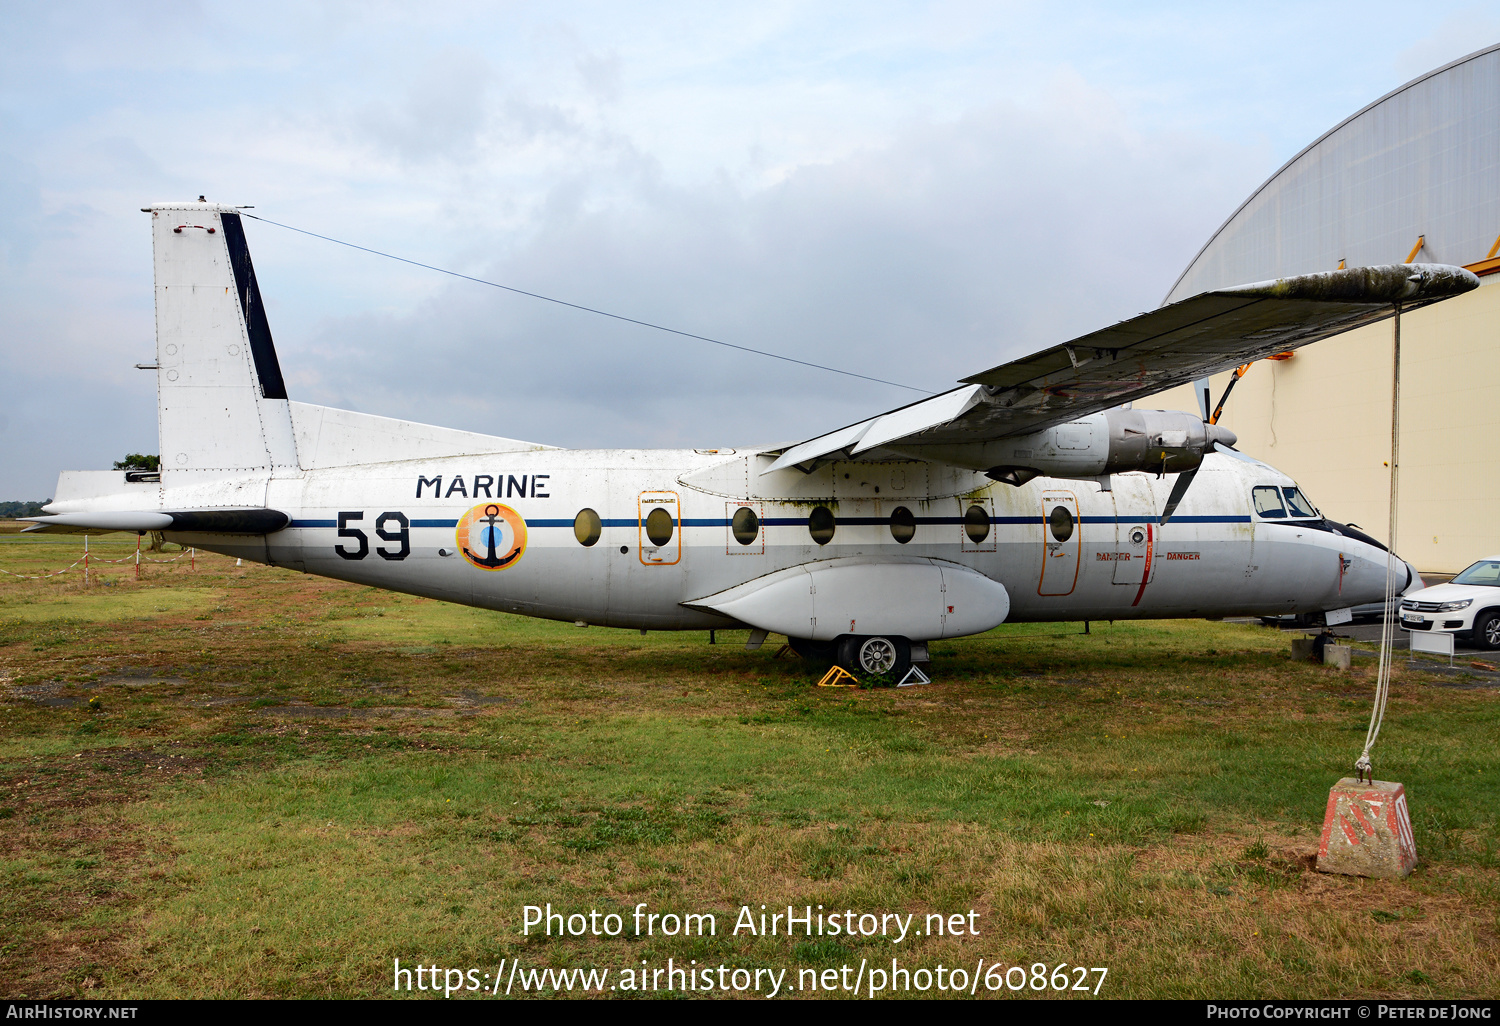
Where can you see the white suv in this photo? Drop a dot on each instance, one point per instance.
(1468, 604)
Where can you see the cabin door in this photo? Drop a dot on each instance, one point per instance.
(1061, 530)
(659, 517)
(1136, 531)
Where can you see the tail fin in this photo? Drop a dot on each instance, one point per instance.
(221, 401)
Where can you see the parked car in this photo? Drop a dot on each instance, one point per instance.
(1469, 605)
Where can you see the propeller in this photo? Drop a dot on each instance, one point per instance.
(1222, 439)
(1228, 448)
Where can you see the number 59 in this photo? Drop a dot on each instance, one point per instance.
(402, 534)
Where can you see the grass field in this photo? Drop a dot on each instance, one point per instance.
(286, 783)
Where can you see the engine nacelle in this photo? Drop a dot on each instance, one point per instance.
(1116, 441)
(1167, 441)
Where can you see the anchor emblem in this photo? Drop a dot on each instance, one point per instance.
(491, 536)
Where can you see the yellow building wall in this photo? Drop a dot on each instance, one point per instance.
(1324, 417)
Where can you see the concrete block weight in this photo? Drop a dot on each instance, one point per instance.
(1337, 656)
(1367, 831)
(1307, 649)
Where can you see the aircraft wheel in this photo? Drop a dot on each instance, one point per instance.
(1487, 630)
(876, 656)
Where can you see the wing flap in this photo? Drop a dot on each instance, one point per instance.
(809, 452)
(923, 416)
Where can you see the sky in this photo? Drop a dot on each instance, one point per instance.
(912, 192)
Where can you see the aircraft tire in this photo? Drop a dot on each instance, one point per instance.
(875, 656)
(1487, 629)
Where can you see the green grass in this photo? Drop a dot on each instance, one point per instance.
(136, 605)
(290, 782)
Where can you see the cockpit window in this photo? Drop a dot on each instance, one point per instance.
(1297, 503)
(1485, 574)
(1268, 502)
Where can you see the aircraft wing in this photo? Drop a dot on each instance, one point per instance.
(1136, 358)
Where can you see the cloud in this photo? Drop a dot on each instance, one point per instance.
(957, 246)
(440, 113)
(21, 210)
(913, 193)
(602, 74)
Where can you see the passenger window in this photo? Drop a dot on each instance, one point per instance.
(1298, 504)
(587, 527)
(1060, 521)
(903, 525)
(977, 523)
(745, 525)
(659, 526)
(820, 525)
(1268, 502)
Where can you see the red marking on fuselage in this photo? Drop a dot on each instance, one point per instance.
(1146, 575)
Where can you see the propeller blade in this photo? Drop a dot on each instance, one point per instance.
(1205, 398)
(1239, 372)
(1179, 489)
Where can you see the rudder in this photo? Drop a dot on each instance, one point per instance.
(221, 400)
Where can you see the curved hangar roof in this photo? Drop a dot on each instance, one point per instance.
(1423, 160)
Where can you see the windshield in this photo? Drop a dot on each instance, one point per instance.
(1485, 574)
(1268, 501)
(1298, 504)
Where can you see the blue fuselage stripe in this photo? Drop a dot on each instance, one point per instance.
(841, 521)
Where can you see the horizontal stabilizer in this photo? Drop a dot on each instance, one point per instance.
(199, 521)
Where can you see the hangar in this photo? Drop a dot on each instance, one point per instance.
(1414, 176)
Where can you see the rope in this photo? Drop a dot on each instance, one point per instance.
(41, 577)
(95, 559)
(174, 559)
(590, 309)
(1362, 766)
(144, 559)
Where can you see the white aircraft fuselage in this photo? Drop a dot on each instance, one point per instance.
(826, 549)
(1216, 557)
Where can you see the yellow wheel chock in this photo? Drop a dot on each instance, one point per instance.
(836, 674)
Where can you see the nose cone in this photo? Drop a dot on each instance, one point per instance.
(1368, 568)
(1217, 434)
(1413, 580)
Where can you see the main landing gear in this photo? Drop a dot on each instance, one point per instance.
(862, 655)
